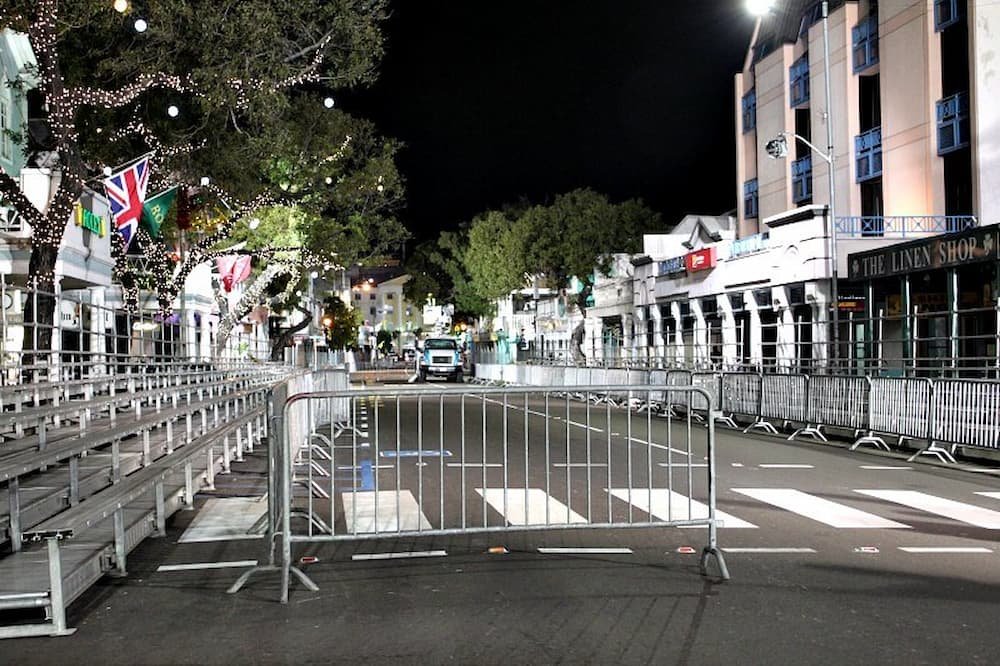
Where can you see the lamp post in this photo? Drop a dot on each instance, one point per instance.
(778, 147)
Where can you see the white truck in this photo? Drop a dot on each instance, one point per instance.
(441, 357)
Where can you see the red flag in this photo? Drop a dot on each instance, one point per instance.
(233, 269)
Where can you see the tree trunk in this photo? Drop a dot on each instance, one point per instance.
(278, 347)
(39, 310)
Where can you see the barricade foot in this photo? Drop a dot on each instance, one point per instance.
(727, 421)
(872, 439)
(716, 552)
(809, 431)
(944, 455)
(761, 425)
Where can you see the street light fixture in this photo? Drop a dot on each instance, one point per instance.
(778, 148)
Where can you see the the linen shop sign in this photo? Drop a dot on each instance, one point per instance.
(945, 251)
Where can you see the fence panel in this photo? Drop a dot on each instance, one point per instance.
(840, 402)
(709, 381)
(741, 393)
(678, 378)
(967, 412)
(784, 397)
(901, 406)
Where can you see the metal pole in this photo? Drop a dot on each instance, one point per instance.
(831, 217)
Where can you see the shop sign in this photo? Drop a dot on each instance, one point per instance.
(69, 313)
(852, 303)
(88, 220)
(749, 245)
(702, 260)
(938, 252)
(672, 266)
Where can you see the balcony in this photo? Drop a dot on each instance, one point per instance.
(953, 123)
(865, 44)
(903, 226)
(868, 154)
(802, 171)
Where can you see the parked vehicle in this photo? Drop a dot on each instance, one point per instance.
(441, 357)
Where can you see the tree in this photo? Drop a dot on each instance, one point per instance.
(341, 323)
(112, 77)
(437, 268)
(574, 237)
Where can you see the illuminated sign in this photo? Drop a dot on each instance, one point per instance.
(702, 260)
(88, 220)
(672, 266)
(939, 252)
(748, 245)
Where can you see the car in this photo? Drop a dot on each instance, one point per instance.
(441, 357)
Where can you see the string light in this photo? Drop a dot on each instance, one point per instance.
(173, 111)
(140, 25)
(121, 6)
(328, 102)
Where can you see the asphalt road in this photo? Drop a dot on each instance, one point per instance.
(835, 555)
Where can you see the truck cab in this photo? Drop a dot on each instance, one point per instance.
(441, 357)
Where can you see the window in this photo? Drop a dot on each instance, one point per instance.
(389, 297)
(371, 297)
(953, 123)
(750, 110)
(750, 198)
(946, 13)
(798, 81)
(371, 310)
(357, 297)
(868, 154)
(5, 147)
(802, 172)
(440, 343)
(865, 40)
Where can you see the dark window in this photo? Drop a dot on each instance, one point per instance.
(440, 343)
(750, 198)
(389, 297)
(371, 310)
(798, 81)
(872, 209)
(371, 297)
(750, 110)
(869, 102)
(357, 297)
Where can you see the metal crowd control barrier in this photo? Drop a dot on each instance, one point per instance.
(485, 460)
(783, 398)
(964, 412)
(898, 406)
(837, 402)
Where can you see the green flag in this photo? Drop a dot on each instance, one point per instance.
(155, 210)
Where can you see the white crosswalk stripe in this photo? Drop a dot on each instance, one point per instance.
(818, 509)
(668, 504)
(960, 511)
(528, 507)
(393, 511)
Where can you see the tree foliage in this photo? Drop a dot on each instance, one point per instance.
(437, 269)
(341, 323)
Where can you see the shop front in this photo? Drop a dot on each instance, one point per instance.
(931, 305)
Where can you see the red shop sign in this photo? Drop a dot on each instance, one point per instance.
(702, 260)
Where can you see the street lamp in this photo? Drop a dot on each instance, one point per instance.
(778, 147)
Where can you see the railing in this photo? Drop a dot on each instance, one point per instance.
(903, 226)
(942, 414)
(868, 154)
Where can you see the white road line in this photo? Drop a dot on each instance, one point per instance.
(207, 565)
(944, 549)
(784, 466)
(579, 425)
(960, 511)
(360, 512)
(345, 468)
(981, 470)
(585, 551)
(993, 495)
(817, 508)
(399, 556)
(682, 465)
(582, 464)
(769, 550)
(473, 464)
(884, 467)
(668, 504)
(531, 512)
(658, 446)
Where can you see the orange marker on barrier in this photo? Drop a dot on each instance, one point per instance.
(686, 550)
(498, 550)
(308, 559)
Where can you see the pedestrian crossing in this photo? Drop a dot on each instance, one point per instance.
(367, 511)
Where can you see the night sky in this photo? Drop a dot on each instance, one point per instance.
(501, 101)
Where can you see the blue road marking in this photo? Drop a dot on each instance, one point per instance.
(367, 478)
(428, 453)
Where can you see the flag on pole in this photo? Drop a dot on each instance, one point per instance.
(233, 269)
(154, 211)
(126, 193)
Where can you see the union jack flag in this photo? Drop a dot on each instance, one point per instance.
(126, 194)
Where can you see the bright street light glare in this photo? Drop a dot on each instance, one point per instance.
(759, 7)
(121, 6)
(314, 275)
(328, 102)
(204, 181)
(140, 25)
(173, 111)
(254, 223)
